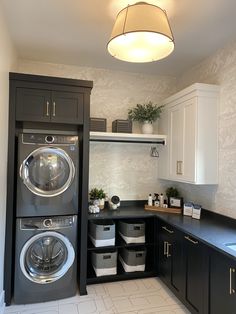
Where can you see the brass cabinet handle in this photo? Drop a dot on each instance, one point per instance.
(231, 271)
(165, 248)
(54, 109)
(47, 108)
(189, 239)
(168, 252)
(168, 230)
(179, 170)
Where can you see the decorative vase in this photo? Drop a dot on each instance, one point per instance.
(101, 203)
(147, 127)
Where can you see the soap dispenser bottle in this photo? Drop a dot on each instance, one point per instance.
(150, 200)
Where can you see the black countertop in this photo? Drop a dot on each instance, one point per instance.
(212, 229)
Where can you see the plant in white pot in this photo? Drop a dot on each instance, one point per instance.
(145, 114)
(98, 194)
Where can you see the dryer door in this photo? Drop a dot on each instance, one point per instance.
(46, 257)
(47, 171)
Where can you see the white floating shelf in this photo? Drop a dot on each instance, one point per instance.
(127, 137)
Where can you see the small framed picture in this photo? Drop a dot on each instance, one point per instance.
(175, 202)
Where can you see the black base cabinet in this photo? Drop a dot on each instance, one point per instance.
(183, 267)
(222, 284)
(170, 263)
(196, 275)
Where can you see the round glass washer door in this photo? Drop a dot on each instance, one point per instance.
(46, 257)
(47, 171)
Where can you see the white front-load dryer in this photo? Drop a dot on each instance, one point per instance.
(45, 260)
(47, 181)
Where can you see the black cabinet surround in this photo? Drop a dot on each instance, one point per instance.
(47, 104)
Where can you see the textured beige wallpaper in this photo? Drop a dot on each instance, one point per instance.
(219, 69)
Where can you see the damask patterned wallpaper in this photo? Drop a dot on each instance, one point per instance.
(126, 170)
(219, 69)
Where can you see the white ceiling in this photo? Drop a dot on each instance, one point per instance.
(76, 31)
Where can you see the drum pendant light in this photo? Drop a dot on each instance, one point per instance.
(141, 33)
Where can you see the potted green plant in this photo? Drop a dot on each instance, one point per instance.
(98, 194)
(173, 196)
(145, 114)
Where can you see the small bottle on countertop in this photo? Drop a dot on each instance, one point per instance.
(161, 199)
(165, 204)
(150, 200)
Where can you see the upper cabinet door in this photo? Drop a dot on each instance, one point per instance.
(33, 105)
(67, 107)
(176, 141)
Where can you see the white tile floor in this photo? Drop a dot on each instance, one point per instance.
(145, 296)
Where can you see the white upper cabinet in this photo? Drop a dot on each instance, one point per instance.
(190, 122)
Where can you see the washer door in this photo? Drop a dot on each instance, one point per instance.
(47, 171)
(46, 257)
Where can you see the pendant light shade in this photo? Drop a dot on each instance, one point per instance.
(141, 33)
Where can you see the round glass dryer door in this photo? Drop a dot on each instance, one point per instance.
(46, 257)
(47, 171)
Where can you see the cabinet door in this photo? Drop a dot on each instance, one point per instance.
(67, 107)
(222, 284)
(176, 142)
(177, 266)
(171, 257)
(189, 112)
(32, 105)
(196, 274)
(182, 121)
(164, 262)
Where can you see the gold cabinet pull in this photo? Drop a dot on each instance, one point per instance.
(47, 108)
(191, 240)
(54, 109)
(231, 272)
(168, 247)
(179, 170)
(168, 230)
(165, 248)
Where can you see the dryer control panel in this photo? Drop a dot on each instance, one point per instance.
(35, 138)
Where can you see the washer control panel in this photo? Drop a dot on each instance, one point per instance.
(46, 223)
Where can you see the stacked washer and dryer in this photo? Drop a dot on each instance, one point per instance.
(46, 217)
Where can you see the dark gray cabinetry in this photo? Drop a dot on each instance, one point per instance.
(222, 297)
(41, 105)
(32, 104)
(183, 267)
(67, 107)
(171, 269)
(196, 274)
(47, 104)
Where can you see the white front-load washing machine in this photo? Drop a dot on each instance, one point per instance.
(47, 181)
(45, 259)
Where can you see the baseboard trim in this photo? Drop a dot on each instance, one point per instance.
(2, 303)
